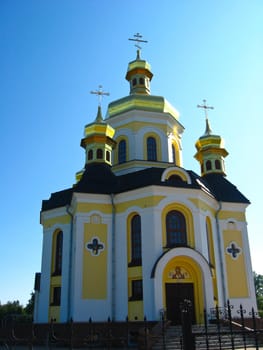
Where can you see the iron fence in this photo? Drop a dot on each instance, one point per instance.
(220, 331)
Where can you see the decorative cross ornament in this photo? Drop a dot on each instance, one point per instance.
(233, 250)
(100, 93)
(205, 107)
(138, 39)
(95, 246)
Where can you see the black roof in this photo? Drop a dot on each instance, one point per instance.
(223, 190)
(98, 178)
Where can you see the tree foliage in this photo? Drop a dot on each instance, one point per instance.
(258, 281)
(14, 310)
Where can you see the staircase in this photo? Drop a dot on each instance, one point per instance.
(173, 339)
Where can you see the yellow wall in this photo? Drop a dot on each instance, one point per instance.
(235, 268)
(94, 266)
(54, 313)
(135, 310)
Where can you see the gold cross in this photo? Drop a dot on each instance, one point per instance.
(205, 107)
(138, 39)
(100, 93)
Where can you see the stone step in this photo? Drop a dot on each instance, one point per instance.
(173, 339)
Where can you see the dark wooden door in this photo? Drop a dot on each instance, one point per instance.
(176, 293)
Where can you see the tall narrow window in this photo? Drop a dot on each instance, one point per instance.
(208, 165)
(136, 244)
(90, 154)
(136, 290)
(151, 149)
(217, 164)
(210, 243)
(58, 253)
(122, 152)
(173, 154)
(99, 153)
(175, 229)
(56, 296)
(108, 156)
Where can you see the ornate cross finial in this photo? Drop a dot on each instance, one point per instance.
(205, 107)
(138, 39)
(100, 93)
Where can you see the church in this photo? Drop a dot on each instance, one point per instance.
(138, 233)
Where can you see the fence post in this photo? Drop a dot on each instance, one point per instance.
(218, 326)
(242, 311)
(230, 324)
(255, 327)
(206, 330)
(145, 333)
(186, 315)
(163, 330)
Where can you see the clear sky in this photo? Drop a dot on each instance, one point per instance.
(53, 52)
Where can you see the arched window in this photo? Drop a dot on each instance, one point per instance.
(90, 154)
(217, 164)
(99, 153)
(136, 244)
(173, 154)
(175, 229)
(151, 149)
(175, 180)
(141, 80)
(58, 241)
(134, 81)
(122, 152)
(208, 165)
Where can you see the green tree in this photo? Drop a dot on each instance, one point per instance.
(258, 281)
(10, 309)
(29, 309)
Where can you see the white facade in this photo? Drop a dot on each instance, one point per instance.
(136, 239)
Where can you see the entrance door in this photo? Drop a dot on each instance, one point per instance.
(176, 293)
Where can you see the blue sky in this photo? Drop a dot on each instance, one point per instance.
(53, 52)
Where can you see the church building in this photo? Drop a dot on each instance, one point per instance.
(138, 233)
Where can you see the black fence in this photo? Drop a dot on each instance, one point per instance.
(222, 331)
(219, 331)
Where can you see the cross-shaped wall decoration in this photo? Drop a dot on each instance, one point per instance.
(95, 246)
(233, 250)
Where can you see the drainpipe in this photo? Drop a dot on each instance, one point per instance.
(113, 289)
(70, 264)
(220, 252)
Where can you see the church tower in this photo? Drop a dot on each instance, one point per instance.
(210, 150)
(138, 233)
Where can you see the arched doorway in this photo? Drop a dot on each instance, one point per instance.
(182, 280)
(179, 274)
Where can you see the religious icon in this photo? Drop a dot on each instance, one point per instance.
(178, 273)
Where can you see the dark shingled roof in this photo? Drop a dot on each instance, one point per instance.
(223, 190)
(99, 178)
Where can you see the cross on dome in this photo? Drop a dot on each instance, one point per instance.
(208, 130)
(138, 39)
(205, 108)
(100, 93)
